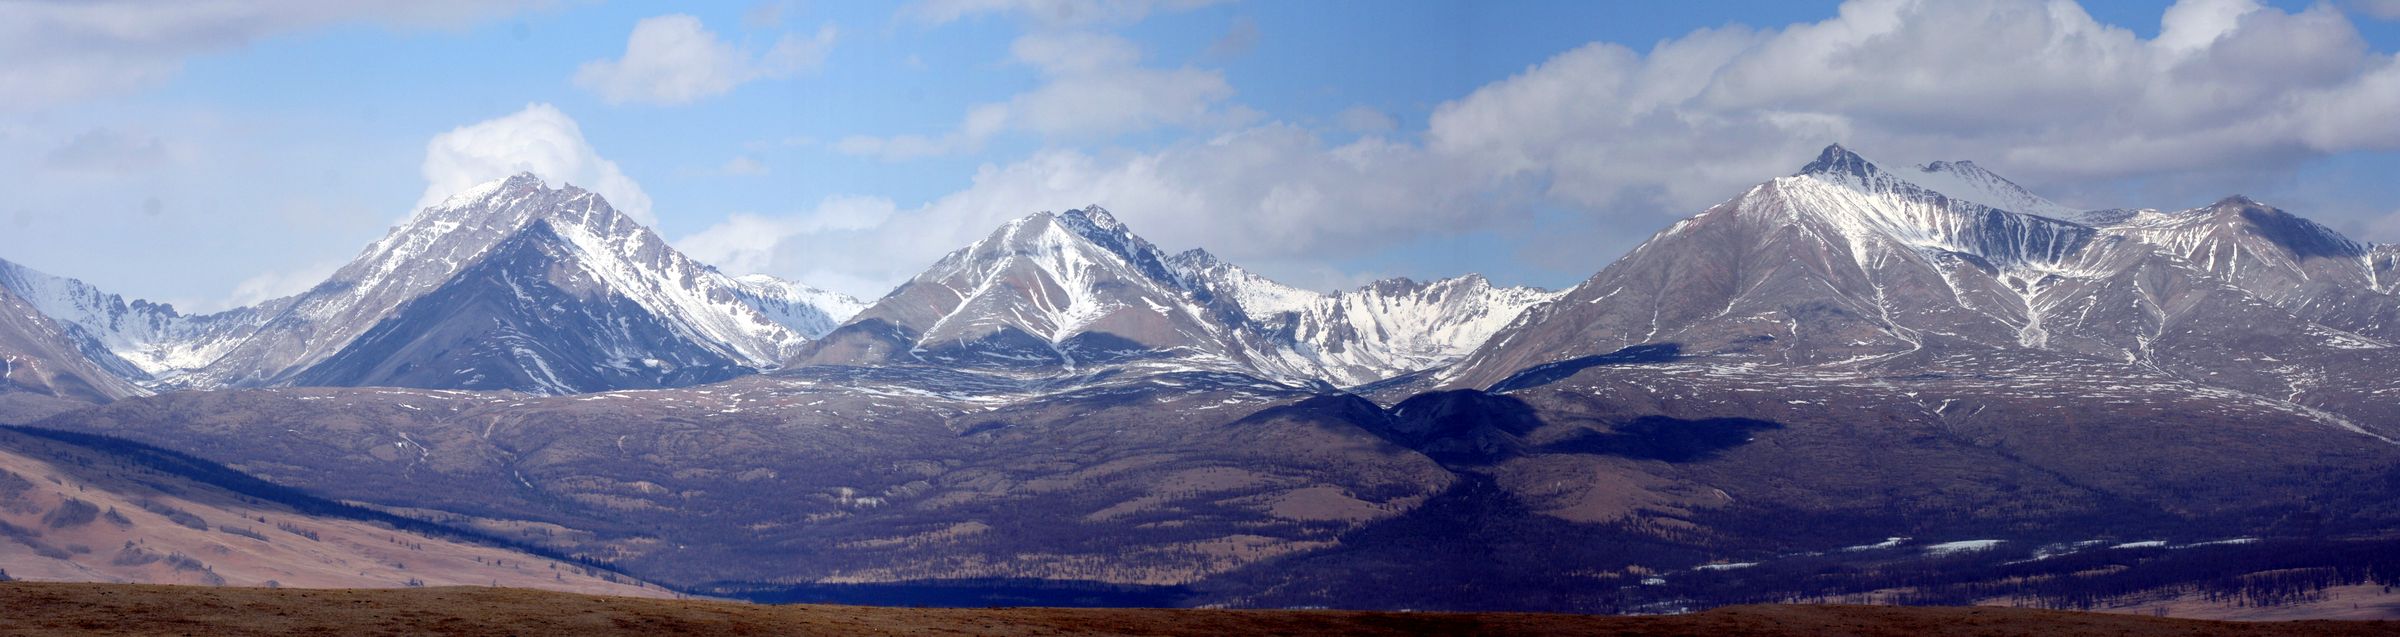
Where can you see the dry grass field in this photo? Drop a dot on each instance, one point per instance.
(120, 609)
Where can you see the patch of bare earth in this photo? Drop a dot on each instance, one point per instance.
(95, 609)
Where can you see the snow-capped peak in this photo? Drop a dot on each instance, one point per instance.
(1965, 180)
(1869, 206)
(431, 249)
(1959, 180)
(485, 190)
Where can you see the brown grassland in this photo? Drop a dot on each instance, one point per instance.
(118, 609)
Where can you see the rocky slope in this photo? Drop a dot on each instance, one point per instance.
(42, 369)
(135, 339)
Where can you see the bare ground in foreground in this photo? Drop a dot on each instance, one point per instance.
(113, 609)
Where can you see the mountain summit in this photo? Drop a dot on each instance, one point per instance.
(1042, 293)
(1069, 292)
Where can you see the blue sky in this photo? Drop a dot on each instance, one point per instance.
(217, 159)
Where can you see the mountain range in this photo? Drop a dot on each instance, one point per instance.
(513, 285)
(1846, 381)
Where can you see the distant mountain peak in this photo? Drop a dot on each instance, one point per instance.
(2235, 201)
(1195, 258)
(1838, 161)
(1096, 216)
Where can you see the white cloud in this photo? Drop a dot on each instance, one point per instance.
(2038, 90)
(673, 59)
(271, 285)
(746, 243)
(59, 51)
(1051, 12)
(1094, 86)
(540, 140)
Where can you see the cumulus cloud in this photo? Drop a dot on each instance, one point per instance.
(1093, 86)
(63, 50)
(540, 140)
(673, 59)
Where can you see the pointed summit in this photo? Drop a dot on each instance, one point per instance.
(1042, 293)
(1097, 217)
(539, 313)
(2236, 200)
(1838, 161)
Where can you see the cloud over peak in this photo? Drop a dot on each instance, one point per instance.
(540, 140)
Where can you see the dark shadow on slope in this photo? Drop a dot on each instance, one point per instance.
(1103, 348)
(1336, 407)
(1465, 428)
(1472, 547)
(2306, 239)
(1459, 427)
(1665, 438)
(1547, 373)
